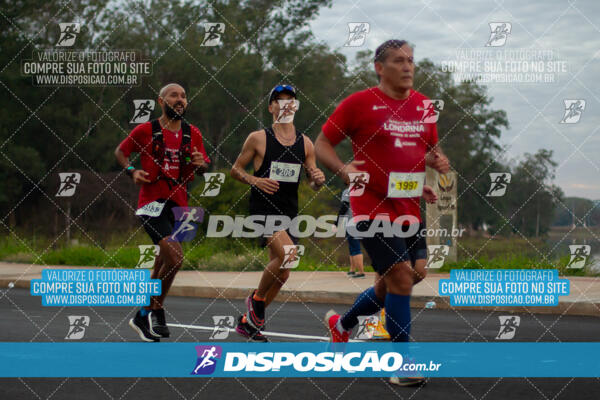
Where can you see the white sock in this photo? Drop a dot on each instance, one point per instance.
(339, 327)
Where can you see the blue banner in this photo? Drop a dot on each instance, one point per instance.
(504, 287)
(95, 287)
(299, 359)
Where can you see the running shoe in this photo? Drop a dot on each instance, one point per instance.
(358, 276)
(407, 381)
(256, 312)
(350, 273)
(158, 325)
(244, 329)
(142, 327)
(331, 319)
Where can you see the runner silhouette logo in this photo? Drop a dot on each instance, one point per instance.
(292, 254)
(222, 326)
(68, 34)
(579, 255)
(143, 111)
(77, 325)
(148, 254)
(573, 111)
(366, 327)
(508, 326)
(437, 255)
(68, 183)
(212, 33)
(500, 181)
(357, 33)
(186, 223)
(499, 32)
(358, 182)
(212, 184)
(431, 110)
(207, 359)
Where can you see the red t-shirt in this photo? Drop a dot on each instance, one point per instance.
(140, 141)
(391, 137)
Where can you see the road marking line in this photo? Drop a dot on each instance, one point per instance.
(278, 334)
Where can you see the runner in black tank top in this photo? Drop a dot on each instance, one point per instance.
(284, 162)
(278, 154)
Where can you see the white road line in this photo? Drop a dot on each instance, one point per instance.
(278, 334)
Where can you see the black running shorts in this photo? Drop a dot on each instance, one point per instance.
(387, 251)
(162, 226)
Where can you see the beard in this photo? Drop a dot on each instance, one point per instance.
(172, 114)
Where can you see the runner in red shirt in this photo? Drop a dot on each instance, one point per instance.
(392, 141)
(171, 151)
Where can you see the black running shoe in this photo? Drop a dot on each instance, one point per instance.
(158, 325)
(142, 327)
(256, 312)
(247, 331)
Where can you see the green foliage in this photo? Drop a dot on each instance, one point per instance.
(577, 211)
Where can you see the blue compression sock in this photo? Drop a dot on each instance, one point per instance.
(366, 304)
(144, 312)
(397, 317)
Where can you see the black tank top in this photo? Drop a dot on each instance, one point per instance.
(283, 164)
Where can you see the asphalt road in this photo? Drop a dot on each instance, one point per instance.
(24, 320)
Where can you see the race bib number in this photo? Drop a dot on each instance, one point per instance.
(284, 172)
(406, 184)
(151, 209)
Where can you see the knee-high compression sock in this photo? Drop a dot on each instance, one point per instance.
(366, 303)
(397, 317)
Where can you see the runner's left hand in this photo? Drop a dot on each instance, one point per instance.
(197, 158)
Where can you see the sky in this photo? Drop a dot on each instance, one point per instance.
(563, 35)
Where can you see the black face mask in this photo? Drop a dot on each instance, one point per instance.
(172, 114)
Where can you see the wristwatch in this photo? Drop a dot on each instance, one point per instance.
(129, 170)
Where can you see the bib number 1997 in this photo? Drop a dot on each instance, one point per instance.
(406, 184)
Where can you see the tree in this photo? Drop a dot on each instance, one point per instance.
(533, 197)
